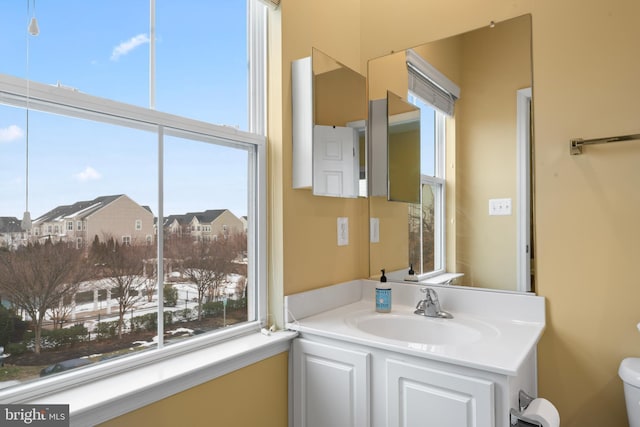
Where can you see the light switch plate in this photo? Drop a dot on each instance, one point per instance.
(499, 206)
(343, 231)
(374, 230)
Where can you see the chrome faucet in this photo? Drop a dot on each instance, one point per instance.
(430, 305)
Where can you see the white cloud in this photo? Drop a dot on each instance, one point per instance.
(127, 46)
(10, 133)
(88, 174)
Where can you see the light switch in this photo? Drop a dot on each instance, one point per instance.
(343, 231)
(499, 206)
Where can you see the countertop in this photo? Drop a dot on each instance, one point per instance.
(510, 323)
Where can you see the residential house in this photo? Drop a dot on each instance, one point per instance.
(205, 225)
(175, 225)
(11, 233)
(116, 216)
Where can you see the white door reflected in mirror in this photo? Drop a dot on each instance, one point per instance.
(335, 161)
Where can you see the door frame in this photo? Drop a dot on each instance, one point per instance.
(523, 172)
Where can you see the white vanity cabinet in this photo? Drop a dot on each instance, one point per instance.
(330, 385)
(418, 395)
(338, 383)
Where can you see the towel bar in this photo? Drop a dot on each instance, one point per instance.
(575, 146)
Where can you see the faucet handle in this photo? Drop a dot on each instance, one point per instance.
(424, 290)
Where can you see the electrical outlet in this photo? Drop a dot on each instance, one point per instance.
(499, 206)
(374, 230)
(343, 231)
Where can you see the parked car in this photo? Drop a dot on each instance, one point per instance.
(65, 365)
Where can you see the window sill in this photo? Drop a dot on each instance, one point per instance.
(97, 401)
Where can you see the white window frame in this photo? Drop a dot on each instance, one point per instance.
(138, 224)
(439, 184)
(219, 354)
(425, 81)
(440, 197)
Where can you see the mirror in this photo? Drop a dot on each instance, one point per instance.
(395, 149)
(403, 148)
(487, 200)
(329, 108)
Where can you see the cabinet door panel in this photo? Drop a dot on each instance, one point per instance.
(335, 161)
(330, 386)
(420, 396)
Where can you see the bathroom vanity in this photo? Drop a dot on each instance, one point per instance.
(351, 366)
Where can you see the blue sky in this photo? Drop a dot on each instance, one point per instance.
(102, 48)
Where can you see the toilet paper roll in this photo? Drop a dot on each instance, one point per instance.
(542, 411)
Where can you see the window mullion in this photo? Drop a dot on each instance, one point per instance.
(160, 238)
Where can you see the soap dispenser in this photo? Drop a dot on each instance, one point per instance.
(383, 295)
(411, 276)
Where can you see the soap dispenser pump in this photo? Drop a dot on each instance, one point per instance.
(411, 277)
(383, 295)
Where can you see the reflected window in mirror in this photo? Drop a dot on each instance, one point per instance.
(426, 218)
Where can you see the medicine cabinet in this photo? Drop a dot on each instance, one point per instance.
(329, 112)
(395, 149)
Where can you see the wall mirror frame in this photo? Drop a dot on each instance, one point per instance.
(329, 112)
(488, 206)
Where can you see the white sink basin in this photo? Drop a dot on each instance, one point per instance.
(420, 329)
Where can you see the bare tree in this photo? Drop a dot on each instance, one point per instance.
(223, 251)
(121, 266)
(198, 268)
(38, 276)
(61, 312)
(150, 272)
(241, 287)
(206, 264)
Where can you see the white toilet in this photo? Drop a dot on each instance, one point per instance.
(629, 371)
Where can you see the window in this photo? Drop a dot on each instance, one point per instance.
(435, 95)
(69, 225)
(105, 123)
(426, 219)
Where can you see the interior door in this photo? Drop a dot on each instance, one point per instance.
(335, 161)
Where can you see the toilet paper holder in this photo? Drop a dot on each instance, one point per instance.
(519, 420)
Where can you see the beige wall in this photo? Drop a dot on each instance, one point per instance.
(253, 396)
(586, 68)
(311, 257)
